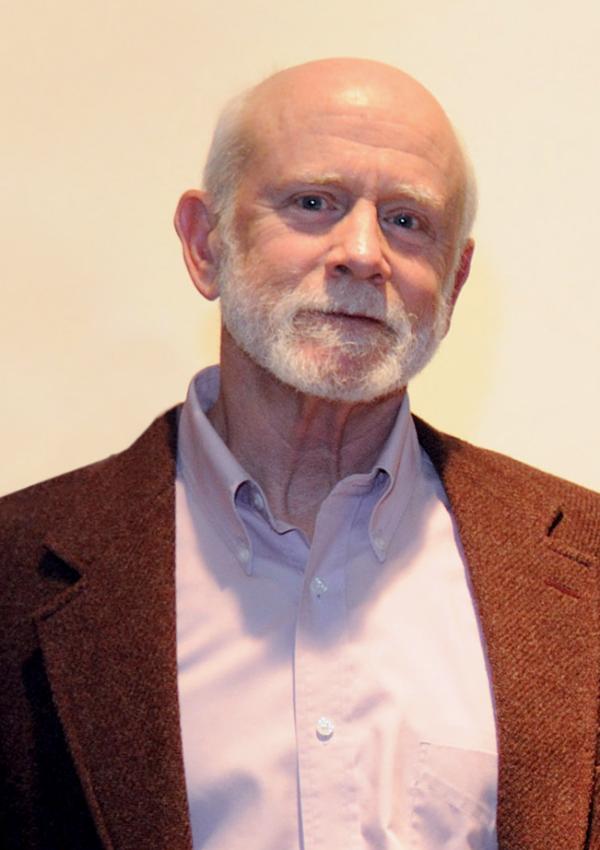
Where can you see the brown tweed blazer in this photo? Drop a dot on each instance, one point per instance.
(90, 751)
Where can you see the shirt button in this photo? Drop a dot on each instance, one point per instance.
(318, 586)
(325, 728)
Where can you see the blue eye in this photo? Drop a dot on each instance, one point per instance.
(313, 203)
(406, 221)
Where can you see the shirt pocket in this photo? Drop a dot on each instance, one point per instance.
(453, 799)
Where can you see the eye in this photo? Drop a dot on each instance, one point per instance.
(406, 221)
(312, 203)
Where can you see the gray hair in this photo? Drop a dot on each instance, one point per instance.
(470, 193)
(229, 151)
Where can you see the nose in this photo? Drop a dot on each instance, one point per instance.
(358, 248)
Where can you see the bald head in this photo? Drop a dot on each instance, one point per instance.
(303, 95)
(356, 83)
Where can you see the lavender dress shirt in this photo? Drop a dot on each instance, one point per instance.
(333, 696)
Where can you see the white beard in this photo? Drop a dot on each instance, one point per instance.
(290, 334)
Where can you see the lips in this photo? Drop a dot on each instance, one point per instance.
(335, 315)
(353, 319)
(360, 316)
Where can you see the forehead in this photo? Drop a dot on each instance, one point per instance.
(361, 138)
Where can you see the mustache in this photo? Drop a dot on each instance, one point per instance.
(367, 303)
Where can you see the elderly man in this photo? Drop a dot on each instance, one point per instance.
(290, 615)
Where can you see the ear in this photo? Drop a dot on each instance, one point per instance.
(460, 276)
(194, 223)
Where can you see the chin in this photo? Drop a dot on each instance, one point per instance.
(337, 376)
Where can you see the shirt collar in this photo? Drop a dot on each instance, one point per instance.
(207, 467)
(397, 469)
(218, 480)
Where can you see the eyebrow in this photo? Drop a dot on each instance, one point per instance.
(415, 192)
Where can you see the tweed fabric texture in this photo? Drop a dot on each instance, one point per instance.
(90, 748)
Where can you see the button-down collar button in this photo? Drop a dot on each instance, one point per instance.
(257, 500)
(243, 552)
(379, 542)
(318, 586)
(325, 728)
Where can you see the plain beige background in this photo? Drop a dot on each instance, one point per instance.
(107, 109)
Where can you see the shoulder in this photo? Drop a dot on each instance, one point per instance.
(58, 496)
(87, 498)
(470, 472)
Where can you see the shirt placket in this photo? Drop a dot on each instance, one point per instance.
(322, 693)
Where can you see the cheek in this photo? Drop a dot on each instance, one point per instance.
(418, 283)
(283, 254)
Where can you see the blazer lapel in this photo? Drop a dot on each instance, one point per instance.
(530, 560)
(109, 647)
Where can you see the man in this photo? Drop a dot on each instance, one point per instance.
(291, 616)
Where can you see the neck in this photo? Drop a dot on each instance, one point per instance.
(297, 447)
